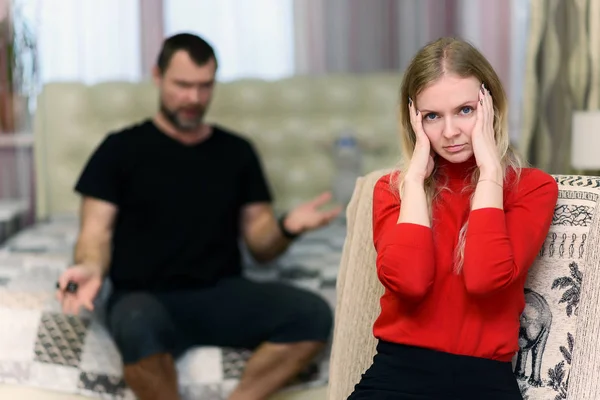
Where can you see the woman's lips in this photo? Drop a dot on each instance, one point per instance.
(455, 148)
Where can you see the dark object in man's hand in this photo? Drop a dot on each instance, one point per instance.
(71, 287)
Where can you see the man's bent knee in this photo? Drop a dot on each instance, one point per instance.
(322, 317)
(311, 321)
(141, 326)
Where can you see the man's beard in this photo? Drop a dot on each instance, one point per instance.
(184, 125)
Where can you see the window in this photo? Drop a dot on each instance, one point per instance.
(252, 39)
(86, 40)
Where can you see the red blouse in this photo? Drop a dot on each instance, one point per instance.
(477, 312)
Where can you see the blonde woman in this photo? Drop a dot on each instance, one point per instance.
(456, 230)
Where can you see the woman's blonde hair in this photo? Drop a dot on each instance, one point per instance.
(451, 56)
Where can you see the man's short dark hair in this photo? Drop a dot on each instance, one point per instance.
(197, 48)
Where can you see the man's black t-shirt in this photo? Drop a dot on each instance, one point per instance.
(178, 223)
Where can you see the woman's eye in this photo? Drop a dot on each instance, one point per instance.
(466, 110)
(430, 116)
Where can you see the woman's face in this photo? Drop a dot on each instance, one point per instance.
(448, 107)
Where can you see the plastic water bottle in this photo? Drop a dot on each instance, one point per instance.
(348, 165)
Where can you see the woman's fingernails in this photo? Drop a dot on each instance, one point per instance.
(417, 112)
(409, 102)
(481, 101)
(483, 88)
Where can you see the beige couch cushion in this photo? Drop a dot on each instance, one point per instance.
(560, 323)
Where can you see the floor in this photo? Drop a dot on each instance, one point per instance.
(18, 393)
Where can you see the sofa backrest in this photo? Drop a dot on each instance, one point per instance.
(560, 323)
(293, 123)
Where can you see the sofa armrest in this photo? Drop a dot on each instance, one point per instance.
(358, 294)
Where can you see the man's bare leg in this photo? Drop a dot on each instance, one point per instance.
(272, 366)
(153, 378)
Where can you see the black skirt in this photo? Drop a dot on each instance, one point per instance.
(402, 372)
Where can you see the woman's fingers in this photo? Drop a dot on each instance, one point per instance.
(416, 119)
(490, 108)
(486, 114)
(422, 157)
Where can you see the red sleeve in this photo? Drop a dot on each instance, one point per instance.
(405, 258)
(501, 245)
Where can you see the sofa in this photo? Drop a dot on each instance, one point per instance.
(293, 123)
(559, 355)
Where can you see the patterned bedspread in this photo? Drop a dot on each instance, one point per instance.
(41, 347)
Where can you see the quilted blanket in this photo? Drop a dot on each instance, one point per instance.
(41, 347)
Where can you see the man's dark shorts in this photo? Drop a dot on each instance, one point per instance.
(236, 312)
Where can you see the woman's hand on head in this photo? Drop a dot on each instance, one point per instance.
(483, 138)
(422, 161)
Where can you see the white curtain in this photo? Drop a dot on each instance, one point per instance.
(87, 41)
(252, 38)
